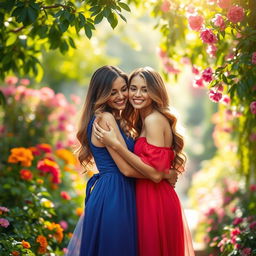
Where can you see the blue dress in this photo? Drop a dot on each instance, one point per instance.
(109, 221)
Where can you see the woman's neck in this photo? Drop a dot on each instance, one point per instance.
(145, 112)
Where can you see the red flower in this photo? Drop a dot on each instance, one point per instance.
(65, 195)
(253, 107)
(26, 174)
(207, 75)
(215, 96)
(49, 166)
(208, 36)
(235, 14)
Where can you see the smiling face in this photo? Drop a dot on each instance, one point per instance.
(119, 94)
(138, 93)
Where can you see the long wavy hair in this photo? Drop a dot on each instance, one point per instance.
(160, 101)
(98, 94)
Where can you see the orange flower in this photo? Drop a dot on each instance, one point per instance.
(66, 155)
(43, 244)
(15, 253)
(26, 174)
(40, 181)
(22, 155)
(79, 211)
(58, 230)
(25, 244)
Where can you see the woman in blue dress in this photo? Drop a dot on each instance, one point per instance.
(108, 226)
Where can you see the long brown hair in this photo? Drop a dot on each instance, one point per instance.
(98, 94)
(160, 101)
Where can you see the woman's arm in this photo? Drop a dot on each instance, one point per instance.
(110, 139)
(125, 168)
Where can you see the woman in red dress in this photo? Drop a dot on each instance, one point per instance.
(162, 229)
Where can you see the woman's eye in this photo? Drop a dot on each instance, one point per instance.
(124, 89)
(145, 90)
(133, 89)
(113, 93)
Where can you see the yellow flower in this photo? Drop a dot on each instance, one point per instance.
(22, 155)
(46, 203)
(66, 155)
(25, 244)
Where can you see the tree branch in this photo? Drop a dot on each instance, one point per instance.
(17, 30)
(55, 6)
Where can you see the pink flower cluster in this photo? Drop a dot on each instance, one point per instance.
(254, 58)
(4, 222)
(235, 14)
(167, 62)
(253, 107)
(215, 96)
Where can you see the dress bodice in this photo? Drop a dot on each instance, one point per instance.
(102, 158)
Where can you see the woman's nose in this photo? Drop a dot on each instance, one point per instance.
(137, 93)
(121, 95)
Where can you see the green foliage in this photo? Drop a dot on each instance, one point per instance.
(29, 27)
(39, 174)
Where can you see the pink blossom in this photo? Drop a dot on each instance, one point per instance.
(46, 94)
(161, 53)
(237, 221)
(9, 90)
(220, 88)
(253, 187)
(253, 107)
(11, 80)
(211, 50)
(253, 137)
(190, 9)
(25, 82)
(215, 96)
(219, 22)
(170, 68)
(4, 222)
(195, 22)
(165, 7)
(253, 225)
(76, 99)
(198, 83)
(59, 145)
(20, 92)
(235, 14)
(224, 4)
(225, 100)
(65, 250)
(207, 75)
(254, 58)
(4, 209)
(63, 224)
(208, 36)
(195, 70)
(246, 251)
(59, 100)
(185, 60)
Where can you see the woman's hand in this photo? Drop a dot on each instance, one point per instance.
(172, 177)
(109, 138)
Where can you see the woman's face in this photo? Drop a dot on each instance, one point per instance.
(138, 93)
(119, 94)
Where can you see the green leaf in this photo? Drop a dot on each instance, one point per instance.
(64, 26)
(106, 12)
(82, 19)
(122, 17)
(112, 19)
(2, 99)
(11, 39)
(124, 6)
(98, 18)
(88, 31)
(71, 42)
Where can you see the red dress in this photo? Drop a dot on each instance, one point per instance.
(162, 229)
